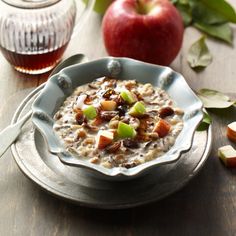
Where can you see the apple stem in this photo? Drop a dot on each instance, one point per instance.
(144, 7)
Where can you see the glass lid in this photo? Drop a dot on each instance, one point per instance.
(30, 4)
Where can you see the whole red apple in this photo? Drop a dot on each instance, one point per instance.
(147, 30)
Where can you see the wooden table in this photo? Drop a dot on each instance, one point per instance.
(206, 206)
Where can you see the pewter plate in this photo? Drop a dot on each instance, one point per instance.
(79, 186)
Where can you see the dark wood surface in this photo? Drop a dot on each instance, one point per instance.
(206, 206)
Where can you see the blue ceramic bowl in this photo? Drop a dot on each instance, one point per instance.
(61, 85)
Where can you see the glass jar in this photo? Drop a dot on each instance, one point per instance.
(35, 33)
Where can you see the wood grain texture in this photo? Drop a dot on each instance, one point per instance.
(206, 206)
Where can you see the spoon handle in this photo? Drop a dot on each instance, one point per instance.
(10, 133)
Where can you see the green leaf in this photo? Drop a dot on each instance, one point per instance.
(221, 31)
(185, 12)
(207, 120)
(100, 6)
(214, 99)
(202, 13)
(221, 7)
(173, 1)
(198, 54)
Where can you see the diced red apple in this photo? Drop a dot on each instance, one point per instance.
(162, 127)
(108, 105)
(104, 138)
(228, 155)
(231, 131)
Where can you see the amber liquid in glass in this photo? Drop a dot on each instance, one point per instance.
(34, 63)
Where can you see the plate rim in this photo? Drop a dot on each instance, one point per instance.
(57, 193)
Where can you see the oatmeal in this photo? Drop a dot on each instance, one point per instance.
(117, 123)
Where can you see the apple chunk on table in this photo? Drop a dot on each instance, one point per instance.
(228, 155)
(231, 131)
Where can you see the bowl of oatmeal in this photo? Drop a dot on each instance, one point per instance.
(117, 117)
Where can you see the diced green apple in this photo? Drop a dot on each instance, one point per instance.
(128, 96)
(104, 138)
(90, 112)
(228, 155)
(125, 131)
(138, 109)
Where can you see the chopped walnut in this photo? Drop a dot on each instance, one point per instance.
(95, 160)
(130, 84)
(107, 164)
(147, 90)
(178, 111)
(119, 158)
(81, 133)
(89, 140)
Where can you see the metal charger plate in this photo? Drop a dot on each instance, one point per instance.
(77, 185)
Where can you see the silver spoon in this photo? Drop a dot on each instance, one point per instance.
(11, 132)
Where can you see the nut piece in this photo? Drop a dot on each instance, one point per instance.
(130, 84)
(89, 140)
(178, 111)
(147, 90)
(81, 133)
(97, 121)
(134, 122)
(130, 143)
(107, 164)
(108, 93)
(95, 160)
(58, 115)
(129, 165)
(165, 111)
(113, 147)
(119, 158)
(108, 115)
(79, 117)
